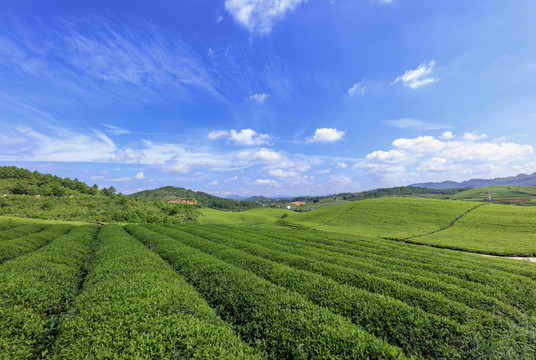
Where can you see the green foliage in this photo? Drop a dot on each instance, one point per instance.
(35, 293)
(498, 193)
(134, 306)
(204, 200)
(401, 191)
(490, 229)
(383, 217)
(419, 334)
(14, 180)
(17, 246)
(270, 317)
(73, 200)
(99, 209)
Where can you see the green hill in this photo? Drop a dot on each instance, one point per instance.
(44, 196)
(383, 217)
(490, 229)
(499, 193)
(203, 199)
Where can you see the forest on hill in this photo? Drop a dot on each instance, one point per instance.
(204, 200)
(400, 191)
(43, 196)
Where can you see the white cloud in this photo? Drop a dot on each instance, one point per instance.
(260, 15)
(95, 178)
(447, 135)
(384, 2)
(263, 155)
(419, 77)
(24, 143)
(357, 89)
(247, 137)
(175, 166)
(324, 171)
(123, 179)
(426, 158)
(326, 135)
(342, 165)
(474, 136)
(140, 176)
(214, 183)
(115, 130)
(259, 97)
(216, 134)
(414, 124)
(265, 182)
(280, 173)
(126, 155)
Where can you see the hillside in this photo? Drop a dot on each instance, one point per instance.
(204, 200)
(44, 196)
(382, 217)
(500, 193)
(519, 180)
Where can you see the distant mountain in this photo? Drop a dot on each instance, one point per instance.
(520, 180)
(205, 200)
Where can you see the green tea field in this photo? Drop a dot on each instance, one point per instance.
(284, 289)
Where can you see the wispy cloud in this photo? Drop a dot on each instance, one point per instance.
(419, 77)
(97, 55)
(259, 97)
(415, 124)
(246, 137)
(357, 89)
(260, 15)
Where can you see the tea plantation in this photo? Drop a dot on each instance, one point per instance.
(347, 282)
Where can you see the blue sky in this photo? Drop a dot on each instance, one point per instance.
(259, 97)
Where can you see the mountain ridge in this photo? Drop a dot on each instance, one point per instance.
(520, 179)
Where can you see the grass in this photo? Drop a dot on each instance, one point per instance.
(490, 229)
(250, 217)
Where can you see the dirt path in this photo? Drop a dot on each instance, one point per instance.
(531, 259)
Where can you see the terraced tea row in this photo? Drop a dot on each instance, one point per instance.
(134, 306)
(501, 323)
(274, 319)
(35, 292)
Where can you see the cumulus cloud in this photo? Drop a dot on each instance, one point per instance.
(326, 135)
(259, 97)
(357, 89)
(140, 176)
(260, 15)
(247, 137)
(424, 157)
(419, 77)
(265, 182)
(342, 165)
(126, 155)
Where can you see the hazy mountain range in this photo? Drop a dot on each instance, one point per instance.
(521, 179)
